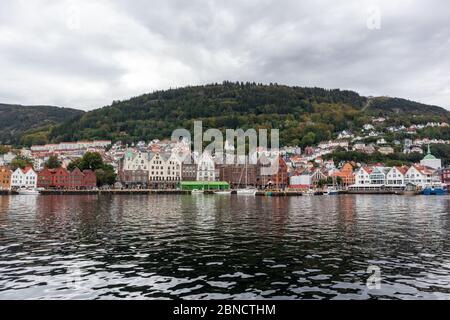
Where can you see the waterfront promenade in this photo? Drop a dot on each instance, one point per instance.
(273, 193)
(152, 191)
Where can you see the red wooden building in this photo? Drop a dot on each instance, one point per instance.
(273, 174)
(62, 179)
(89, 179)
(46, 179)
(446, 176)
(76, 179)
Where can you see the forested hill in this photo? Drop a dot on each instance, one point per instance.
(16, 119)
(304, 115)
(395, 105)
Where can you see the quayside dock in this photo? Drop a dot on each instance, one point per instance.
(112, 192)
(149, 191)
(265, 193)
(375, 189)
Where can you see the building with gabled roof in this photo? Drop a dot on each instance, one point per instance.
(24, 178)
(396, 176)
(421, 176)
(5, 178)
(345, 174)
(362, 176)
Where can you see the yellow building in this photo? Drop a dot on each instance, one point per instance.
(5, 178)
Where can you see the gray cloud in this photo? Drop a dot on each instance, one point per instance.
(85, 54)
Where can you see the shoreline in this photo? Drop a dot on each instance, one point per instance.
(188, 192)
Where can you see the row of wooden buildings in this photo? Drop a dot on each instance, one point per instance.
(59, 178)
(64, 179)
(163, 171)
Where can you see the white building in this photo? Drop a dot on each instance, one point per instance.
(396, 177)
(421, 176)
(362, 177)
(39, 163)
(416, 149)
(24, 178)
(157, 167)
(359, 146)
(164, 168)
(5, 159)
(206, 170)
(307, 178)
(71, 146)
(135, 161)
(431, 161)
(378, 175)
(333, 144)
(386, 150)
(173, 168)
(345, 135)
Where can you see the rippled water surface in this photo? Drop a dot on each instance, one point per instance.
(223, 247)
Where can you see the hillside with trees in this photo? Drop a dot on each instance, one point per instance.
(16, 120)
(305, 116)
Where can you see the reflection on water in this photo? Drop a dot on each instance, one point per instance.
(209, 247)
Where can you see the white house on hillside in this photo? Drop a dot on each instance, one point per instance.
(5, 159)
(24, 178)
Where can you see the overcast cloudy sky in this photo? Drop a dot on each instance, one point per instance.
(84, 54)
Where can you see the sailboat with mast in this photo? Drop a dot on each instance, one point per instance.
(247, 191)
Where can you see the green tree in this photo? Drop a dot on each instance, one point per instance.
(20, 162)
(105, 176)
(77, 163)
(309, 139)
(52, 162)
(93, 161)
(441, 151)
(322, 182)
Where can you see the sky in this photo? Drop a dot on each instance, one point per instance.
(85, 54)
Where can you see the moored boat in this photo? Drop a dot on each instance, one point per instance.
(197, 191)
(434, 190)
(331, 192)
(223, 192)
(247, 192)
(27, 192)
